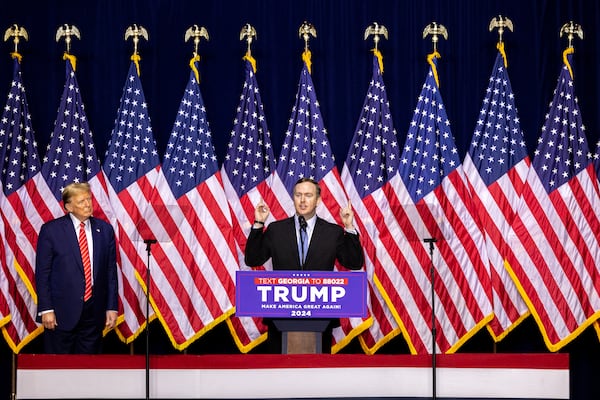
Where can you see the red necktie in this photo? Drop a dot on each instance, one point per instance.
(87, 266)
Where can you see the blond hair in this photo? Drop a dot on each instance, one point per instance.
(74, 188)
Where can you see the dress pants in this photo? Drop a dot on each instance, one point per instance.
(85, 338)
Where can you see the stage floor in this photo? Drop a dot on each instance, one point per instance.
(262, 376)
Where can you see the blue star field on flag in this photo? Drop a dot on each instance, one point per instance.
(426, 162)
(190, 156)
(71, 154)
(562, 150)
(132, 150)
(306, 151)
(374, 154)
(249, 159)
(498, 142)
(19, 160)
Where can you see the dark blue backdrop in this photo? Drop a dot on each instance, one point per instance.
(341, 59)
(341, 70)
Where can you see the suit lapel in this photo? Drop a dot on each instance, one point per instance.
(73, 240)
(292, 239)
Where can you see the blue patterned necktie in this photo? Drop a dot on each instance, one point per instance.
(303, 245)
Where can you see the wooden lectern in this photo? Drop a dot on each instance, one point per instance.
(301, 336)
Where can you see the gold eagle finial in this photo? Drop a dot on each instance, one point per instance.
(249, 33)
(67, 31)
(305, 32)
(375, 29)
(16, 32)
(500, 22)
(136, 32)
(435, 30)
(196, 32)
(571, 29)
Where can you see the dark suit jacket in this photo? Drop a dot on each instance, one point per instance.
(328, 243)
(59, 271)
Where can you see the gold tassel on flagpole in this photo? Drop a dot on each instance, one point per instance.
(249, 33)
(136, 32)
(430, 58)
(501, 22)
(571, 29)
(305, 32)
(434, 29)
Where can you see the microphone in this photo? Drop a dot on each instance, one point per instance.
(302, 222)
(149, 243)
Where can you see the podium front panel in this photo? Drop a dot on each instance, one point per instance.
(301, 294)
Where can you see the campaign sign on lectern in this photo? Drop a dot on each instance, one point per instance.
(301, 294)
(301, 304)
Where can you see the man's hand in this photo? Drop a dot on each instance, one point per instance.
(347, 216)
(49, 320)
(111, 319)
(261, 212)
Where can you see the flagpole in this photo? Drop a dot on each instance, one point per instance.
(136, 32)
(16, 32)
(13, 393)
(435, 30)
(431, 242)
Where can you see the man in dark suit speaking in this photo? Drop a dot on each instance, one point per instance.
(304, 241)
(76, 276)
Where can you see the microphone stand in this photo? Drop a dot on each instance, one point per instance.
(149, 243)
(302, 255)
(431, 242)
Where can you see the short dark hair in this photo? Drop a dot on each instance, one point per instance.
(304, 179)
(73, 188)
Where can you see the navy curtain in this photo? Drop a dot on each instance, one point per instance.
(341, 70)
(341, 59)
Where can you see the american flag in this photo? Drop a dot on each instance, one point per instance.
(372, 160)
(131, 167)
(194, 287)
(430, 199)
(23, 211)
(496, 168)
(247, 172)
(556, 238)
(306, 153)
